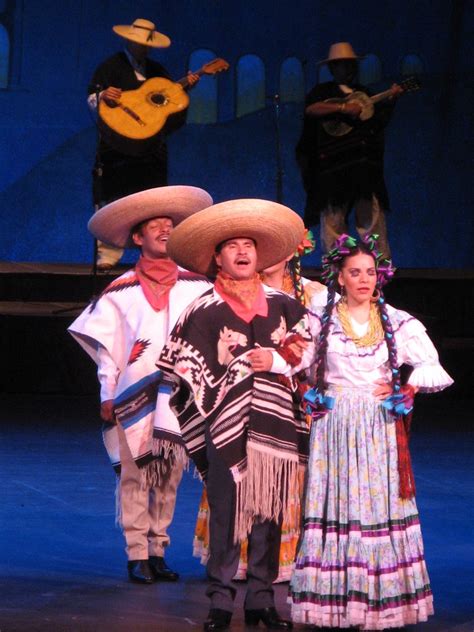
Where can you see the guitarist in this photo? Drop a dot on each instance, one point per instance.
(344, 172)
(115, 174)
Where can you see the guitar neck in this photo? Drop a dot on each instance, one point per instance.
(381, 96)
(184, 82)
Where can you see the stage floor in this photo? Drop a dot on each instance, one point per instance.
(62, 564)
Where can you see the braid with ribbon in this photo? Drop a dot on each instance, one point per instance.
(306, 246)
(400, 403)
(294, 267)
(343, 247)
(385, 272)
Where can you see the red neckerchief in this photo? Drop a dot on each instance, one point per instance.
(246, 298)
(156, 277)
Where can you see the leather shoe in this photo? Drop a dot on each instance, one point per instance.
(161, 571)
(139, 571)
(217, 619)
(269, 617)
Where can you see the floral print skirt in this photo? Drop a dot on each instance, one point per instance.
(360, 561)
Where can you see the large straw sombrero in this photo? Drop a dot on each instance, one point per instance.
(142, 32)
(113, 223)
(276, 229)
(341, 50)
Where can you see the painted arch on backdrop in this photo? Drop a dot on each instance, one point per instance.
(250, 80)
(411, 65)
(370, 70)
(292, 88)
(203, 107)
(4, 56)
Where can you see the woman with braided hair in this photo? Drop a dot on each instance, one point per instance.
(360, 560)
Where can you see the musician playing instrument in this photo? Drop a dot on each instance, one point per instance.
(342, 165)
(117, 174)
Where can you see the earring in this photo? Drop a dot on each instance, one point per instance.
(375, 296)
(343, 294)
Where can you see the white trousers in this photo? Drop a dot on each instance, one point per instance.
(146, 514)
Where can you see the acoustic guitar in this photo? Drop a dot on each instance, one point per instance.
(131, 125)
(342, 125)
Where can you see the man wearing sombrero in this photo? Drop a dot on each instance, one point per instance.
(242, 426)
(117, 174)
(341, 172)
(124, 331)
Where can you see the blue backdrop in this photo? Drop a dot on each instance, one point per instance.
(48, 136)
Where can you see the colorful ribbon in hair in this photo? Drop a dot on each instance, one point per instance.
(317, 404)
(343, 247)
(306, 245)
(385, 269)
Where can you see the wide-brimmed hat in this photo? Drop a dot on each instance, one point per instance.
(142, 32)
(276, 230)
(341, 50)
(113, 222)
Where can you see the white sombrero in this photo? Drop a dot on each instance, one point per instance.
(142, 32)
(341, 50)
(276, 229)
(113, 222)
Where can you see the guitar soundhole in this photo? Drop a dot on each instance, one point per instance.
(158, 99)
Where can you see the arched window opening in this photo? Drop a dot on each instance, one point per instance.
(324, 73)
(411, 65)
(291, 81)
(250, 85)
(370, 70)
(203, 99)
(4, 56)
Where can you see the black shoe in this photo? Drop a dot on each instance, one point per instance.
(269, 617)
(139, 571)
(217, 619)
(160, 570)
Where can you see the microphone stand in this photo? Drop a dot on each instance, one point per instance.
(278, 161)
(97, 188)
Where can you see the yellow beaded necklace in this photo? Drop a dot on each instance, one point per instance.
(374, 332)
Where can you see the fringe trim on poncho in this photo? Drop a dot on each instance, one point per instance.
(169, 455)
(264, 492)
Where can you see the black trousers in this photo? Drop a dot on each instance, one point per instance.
(263, 544)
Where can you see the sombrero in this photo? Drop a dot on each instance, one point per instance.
(113, 222)
(341, 50)
(276, 229)
(142, 32)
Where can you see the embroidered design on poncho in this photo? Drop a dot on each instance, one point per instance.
(124, 324)
(124, 282)
(255, 421)
(137, 350)
(278, 336)
(228, 342)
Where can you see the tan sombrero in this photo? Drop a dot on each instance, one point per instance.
(276, 229)
(113, 222)
(142, 32)
(341, 50)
